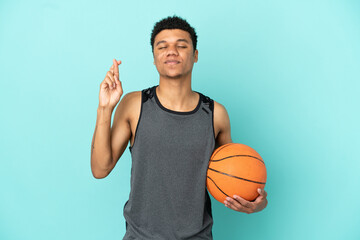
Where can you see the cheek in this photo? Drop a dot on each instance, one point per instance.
(190, 59)
(158, 57)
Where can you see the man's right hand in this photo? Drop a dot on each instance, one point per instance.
(111, 88)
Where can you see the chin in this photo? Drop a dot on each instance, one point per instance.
(174, 75)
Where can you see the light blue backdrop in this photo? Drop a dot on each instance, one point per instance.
(286, 71)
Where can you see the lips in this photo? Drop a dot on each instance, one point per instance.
(171, 62)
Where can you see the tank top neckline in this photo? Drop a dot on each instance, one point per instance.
(176, 112)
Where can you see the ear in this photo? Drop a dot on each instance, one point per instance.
(196, 55)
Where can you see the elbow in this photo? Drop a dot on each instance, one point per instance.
(99, 173)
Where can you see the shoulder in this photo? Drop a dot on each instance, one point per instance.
(221, 116)
(219, 109)
(131, 98)
(129, 104)
(222, 126)
(136, 97)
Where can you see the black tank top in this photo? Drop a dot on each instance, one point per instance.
(170, 155)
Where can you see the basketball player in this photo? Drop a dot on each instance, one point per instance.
(173, 131)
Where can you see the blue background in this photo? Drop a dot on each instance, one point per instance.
(287, 72)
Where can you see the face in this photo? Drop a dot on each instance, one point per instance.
(174, 55)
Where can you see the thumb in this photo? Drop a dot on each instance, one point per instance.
(262, 192)
(118, 86)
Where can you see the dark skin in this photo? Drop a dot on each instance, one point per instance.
(239, 204)
(174, 58)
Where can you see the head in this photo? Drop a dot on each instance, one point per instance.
(173, 22)
(173, 43)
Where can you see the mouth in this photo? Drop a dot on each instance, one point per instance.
(172, 62)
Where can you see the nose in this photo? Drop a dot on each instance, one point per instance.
(172, 51)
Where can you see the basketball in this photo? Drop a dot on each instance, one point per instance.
(235, 169)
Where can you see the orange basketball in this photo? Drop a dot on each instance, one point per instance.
(235, 169)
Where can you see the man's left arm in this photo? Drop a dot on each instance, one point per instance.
(237, 203)
(222, 125)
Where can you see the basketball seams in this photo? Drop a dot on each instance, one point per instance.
(248, 175)
(229, 175)
(217, 160)
(223, 146)
(217, 186)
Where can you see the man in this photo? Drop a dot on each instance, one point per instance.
(172, 132)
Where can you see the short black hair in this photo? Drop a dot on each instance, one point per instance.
(173, 22)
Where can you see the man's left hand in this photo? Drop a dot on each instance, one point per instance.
(241, 205)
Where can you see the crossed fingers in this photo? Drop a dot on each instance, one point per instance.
(113, 74)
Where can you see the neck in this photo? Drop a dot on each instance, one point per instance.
(176, 93)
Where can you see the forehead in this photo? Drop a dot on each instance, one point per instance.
(172, 35)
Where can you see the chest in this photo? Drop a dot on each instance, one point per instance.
(186, 130)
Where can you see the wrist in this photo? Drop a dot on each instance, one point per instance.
(104, 116)
(103, 109)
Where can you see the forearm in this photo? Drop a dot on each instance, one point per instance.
(101, 155)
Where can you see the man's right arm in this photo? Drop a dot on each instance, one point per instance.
(105, 150)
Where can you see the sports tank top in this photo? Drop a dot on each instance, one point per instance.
(170, 155)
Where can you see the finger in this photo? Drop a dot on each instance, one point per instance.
(112, 69)
(117, 61)
(112, 80)
(262, 192)
(112, 66)
(116, 68)
(108, 81)
(260, 198)
(233, 204)
(111, 76)
(116, 77)
(119, 87)
(242, 201)
(117, 81)
(237, 207)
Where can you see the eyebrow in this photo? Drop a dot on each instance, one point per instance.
(179, 40)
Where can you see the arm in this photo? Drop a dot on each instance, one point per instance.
(102, 151)
(222, 125)
(109, 144)
(237, 203)
(101, 154)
